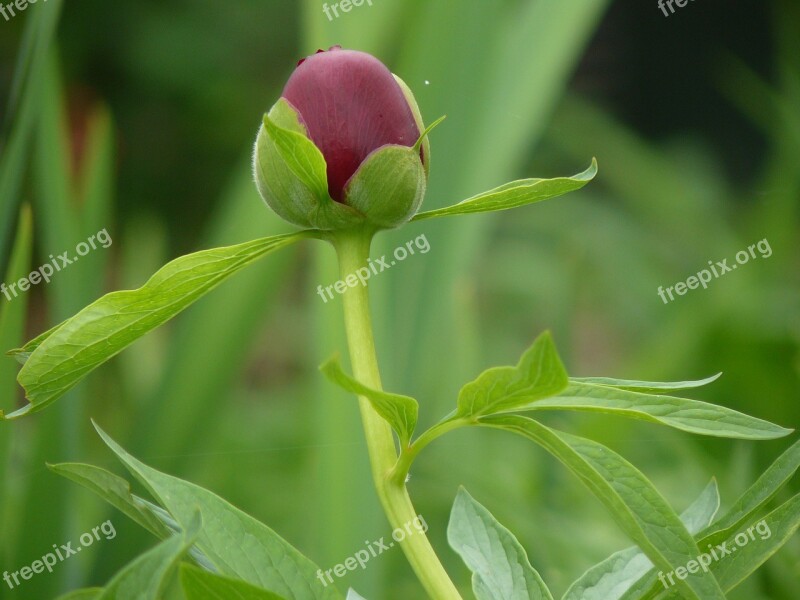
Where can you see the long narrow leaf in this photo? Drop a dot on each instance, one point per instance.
(515, 194)
(609, 579)
(634, 503)
(646, 386)
(751, 547)
(750, 502)
(693, 416)
(107, 326)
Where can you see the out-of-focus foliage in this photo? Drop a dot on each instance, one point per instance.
(144, 119)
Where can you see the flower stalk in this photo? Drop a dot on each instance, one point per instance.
(352, 247)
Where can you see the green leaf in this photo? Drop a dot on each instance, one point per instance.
(750, 502)
(236, 544)
(751, 547)
(115, 490)
(693, 416)
(499, 564)
(24, 353)
(646, 386)
(302, 156)
(198, 584)
(538, 374)
(515, 194)
(609, 579)
(108, 325)
(84, 594)
(147, 577)
(354, 595)
(756, 496)
(635, 504)
(399, 411)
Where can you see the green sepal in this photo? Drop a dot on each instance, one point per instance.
(424, 142)
(291, 174)
(388, 187)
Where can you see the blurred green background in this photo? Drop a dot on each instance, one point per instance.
(140, 117)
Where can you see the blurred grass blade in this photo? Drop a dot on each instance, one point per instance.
(646, 386)
(399, 411)
(12, 327)
(260, 556)
(539, 374)
(693, 416)
(609, 579)
(147, 577)
(635, 504)
(246, 300)
(499, 564)
(515, 194)
(108, 325)
(198, 584)
(36, 39)
(22, 115)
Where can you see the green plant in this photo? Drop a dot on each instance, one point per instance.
(266, 566)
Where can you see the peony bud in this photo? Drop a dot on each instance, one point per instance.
(367, 160)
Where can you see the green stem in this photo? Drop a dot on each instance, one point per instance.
(408, 455)
(352, 248)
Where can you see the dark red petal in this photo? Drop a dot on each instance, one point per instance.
(351, 105)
